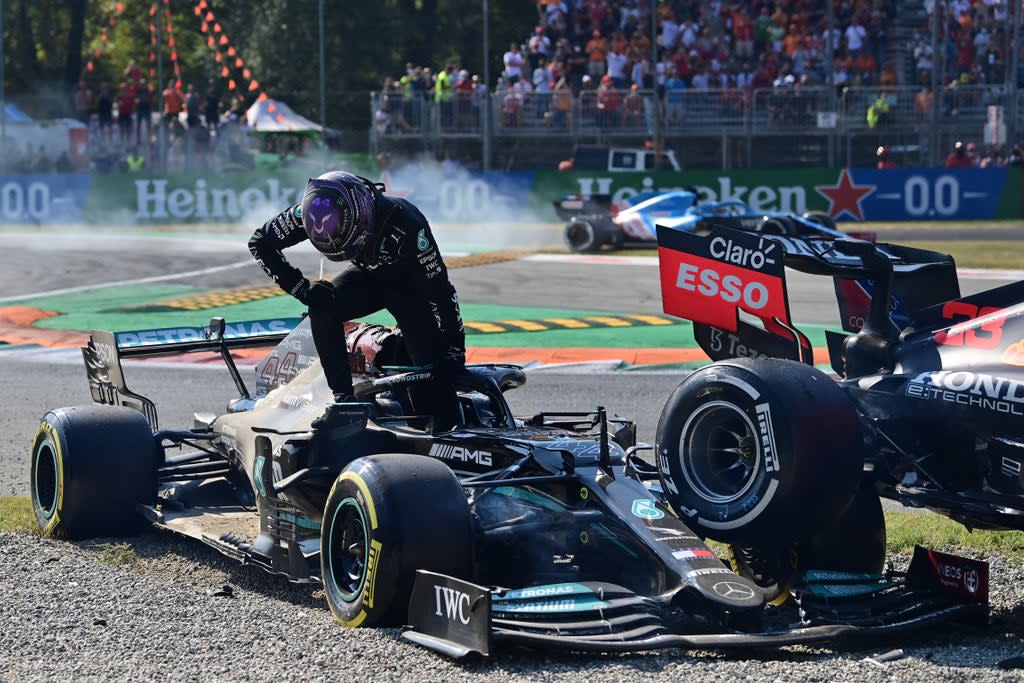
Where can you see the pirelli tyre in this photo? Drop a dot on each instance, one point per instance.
(761, 451)
(91, 466)
(855, 543)
(774, 225)
(587, 234)
(387, 516)
(819, 217)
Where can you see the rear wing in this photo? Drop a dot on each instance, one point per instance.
(732, 285)
(105, 350)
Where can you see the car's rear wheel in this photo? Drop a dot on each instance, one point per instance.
(91, 466)
(759, 451)
(387, 516)
(587, 234)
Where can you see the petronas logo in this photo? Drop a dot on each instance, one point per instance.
(421, 240)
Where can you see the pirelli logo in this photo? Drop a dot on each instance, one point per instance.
(767, 435)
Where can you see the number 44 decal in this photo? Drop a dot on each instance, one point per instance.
(982, 326)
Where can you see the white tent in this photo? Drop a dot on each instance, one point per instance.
(273, 116)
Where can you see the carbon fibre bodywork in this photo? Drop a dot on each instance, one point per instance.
(572, 535)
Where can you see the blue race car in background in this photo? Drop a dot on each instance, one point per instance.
(595, 220)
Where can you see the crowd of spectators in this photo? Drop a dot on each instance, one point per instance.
(974, 44)
(603, 50)
(123, 135)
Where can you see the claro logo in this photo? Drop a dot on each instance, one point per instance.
(451, 604)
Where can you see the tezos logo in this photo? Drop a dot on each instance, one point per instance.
(645, 509)
(452, 604)
(421, 240)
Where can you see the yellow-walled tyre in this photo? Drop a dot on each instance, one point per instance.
(90, 467)
(387, 516)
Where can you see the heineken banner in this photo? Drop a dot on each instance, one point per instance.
(458, 197)
(903, 194)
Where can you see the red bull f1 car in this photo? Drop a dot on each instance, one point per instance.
(546, 530)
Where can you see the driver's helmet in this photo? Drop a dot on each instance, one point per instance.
(882, 152)
(338, 214)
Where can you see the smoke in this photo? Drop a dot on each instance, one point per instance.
(472, 212)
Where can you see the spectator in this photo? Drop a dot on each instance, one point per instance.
(174, 103)
(959, 158)
(83, 101)
(212, 109)
(608, 101)
(597, 50)
(125, 111)
(884, 157)
(192, 107)
(513, 64)
(143, 113)
(105, 111)
(616, 68)
(561, 105)
(539, 47)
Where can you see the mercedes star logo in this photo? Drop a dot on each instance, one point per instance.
(731, 590)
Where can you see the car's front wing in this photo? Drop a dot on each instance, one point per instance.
(457, 617)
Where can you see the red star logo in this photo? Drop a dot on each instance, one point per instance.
(844, 196)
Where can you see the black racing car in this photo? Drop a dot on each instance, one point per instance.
(928, 410)
(546, 530)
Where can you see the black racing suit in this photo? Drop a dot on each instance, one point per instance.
(400, 270)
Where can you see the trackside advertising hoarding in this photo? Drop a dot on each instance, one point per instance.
(902, 194)
(250, 198)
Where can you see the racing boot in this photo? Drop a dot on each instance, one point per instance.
(346, 410)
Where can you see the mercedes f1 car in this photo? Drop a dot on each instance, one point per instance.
(928, 409)
(547, 530)
(594, 221)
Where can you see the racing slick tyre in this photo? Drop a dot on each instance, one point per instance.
(819, 217)
(587, 234)
(387, 516)
(762, 451)
(91, 466)
(774, 225)
(856, 543)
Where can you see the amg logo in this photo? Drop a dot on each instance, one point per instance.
(764, 426)
(447, 451)
(452, 604)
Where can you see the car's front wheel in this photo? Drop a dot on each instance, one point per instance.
(387, 516)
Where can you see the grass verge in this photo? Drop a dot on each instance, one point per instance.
(16, 515)
(118, 555)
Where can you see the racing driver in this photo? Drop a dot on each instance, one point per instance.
(395, 264)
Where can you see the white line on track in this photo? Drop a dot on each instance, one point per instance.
(137, 281)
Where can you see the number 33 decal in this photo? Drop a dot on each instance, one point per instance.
(982, 327)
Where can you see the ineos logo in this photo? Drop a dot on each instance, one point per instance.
(451, 604)
(732, 590)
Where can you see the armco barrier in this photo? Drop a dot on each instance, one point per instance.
(252, 197)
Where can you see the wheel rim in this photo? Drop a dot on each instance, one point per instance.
(347, 542)
(46, 479)
(580, 235)
(719, 452)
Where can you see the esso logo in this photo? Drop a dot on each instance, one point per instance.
(732, 289)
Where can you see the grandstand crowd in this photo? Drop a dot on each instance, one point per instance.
(605, 46)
